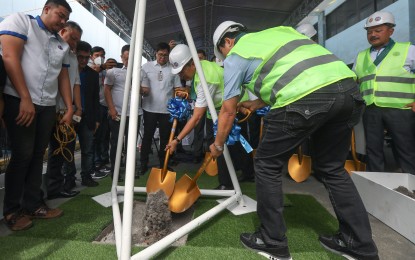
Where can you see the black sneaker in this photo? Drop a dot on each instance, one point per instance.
(335, 244)
(255, 242)
(89, 182)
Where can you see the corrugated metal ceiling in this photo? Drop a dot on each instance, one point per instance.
(163, 24)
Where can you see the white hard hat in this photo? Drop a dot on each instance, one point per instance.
(179, 57)
(378, 18)
(307, 30)
(227, 26)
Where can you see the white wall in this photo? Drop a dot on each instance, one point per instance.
(95, 32)
(348, 43)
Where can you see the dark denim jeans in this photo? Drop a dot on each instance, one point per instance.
(54, 177)
(86, 141)
(23, 177)
(102, 138)
(401, 126)
(328, 115)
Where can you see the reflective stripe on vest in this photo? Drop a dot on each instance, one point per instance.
(292, 65)
(389, 84)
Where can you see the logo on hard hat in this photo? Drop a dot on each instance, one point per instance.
(378, 18)
(370, 20)
(175, 65)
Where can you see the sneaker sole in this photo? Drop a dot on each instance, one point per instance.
(100, 177)
(266, 254)
(338, 252)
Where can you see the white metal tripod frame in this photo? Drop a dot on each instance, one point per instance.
(123, 230)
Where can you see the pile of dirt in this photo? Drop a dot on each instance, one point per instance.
(405, 191)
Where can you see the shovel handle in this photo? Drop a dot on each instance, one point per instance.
(246, 112)
(353, 150)
(199, 172)
(166, 159)
(300, 154)
(186, 95)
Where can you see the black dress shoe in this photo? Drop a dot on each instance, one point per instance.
(223, 187)
(63, 194)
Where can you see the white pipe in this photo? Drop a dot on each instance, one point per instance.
(114, 198)
(160, 245)
(209, 100)
(215, 193)
(132, 130)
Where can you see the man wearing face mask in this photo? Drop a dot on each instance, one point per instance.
(34, 79)
(102, 135)
(157, 87)
(387, 84)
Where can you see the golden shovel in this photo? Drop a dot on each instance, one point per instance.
(186, 191)
(212, 167)
(162, 178)
(355, 164)
(299, 166)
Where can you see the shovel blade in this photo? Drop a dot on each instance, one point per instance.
(299, 172)
(212, 167)
(351, 165)
(155, 182)
(185, 193)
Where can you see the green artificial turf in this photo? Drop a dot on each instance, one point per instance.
(71, 236)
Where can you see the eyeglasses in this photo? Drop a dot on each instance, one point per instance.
(82, 57)
(160, 76)
(161, 55)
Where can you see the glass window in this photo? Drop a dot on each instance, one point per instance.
(351, 12)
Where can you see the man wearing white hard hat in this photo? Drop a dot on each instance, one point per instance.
(388, 88)
(183, 64)
(311, 93)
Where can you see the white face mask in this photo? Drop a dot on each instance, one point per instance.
(99, 61)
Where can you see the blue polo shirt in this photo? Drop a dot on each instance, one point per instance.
(44, 55)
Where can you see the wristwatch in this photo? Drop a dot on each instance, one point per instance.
(178, 140)
(218, 147)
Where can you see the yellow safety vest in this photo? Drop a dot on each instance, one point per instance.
(389, 84)
(214, 76)
(292, 65)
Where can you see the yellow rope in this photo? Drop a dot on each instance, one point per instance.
(64, 134)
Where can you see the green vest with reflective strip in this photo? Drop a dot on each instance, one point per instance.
(292, 65)
(214, 76)
(389, 84)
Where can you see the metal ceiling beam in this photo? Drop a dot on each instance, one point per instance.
(301, 12)
(253, 9)
(114, 14)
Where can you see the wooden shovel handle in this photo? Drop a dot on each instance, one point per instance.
(353, 150)
(186, 95)
(166, 159)
(199, 172)
(246, 112)
(300, 154)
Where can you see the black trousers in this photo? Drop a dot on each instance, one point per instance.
(23, 177)
(400, 123)
(150, 124)
(115, 132)
(54, 177)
